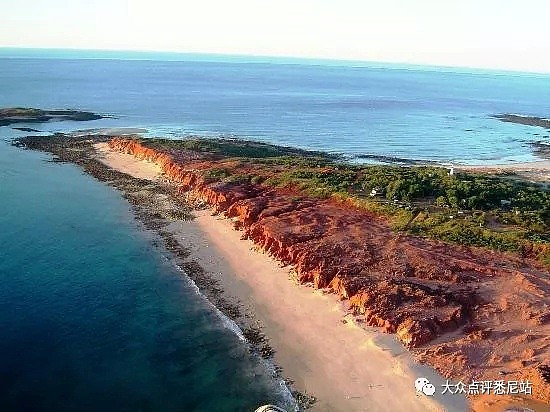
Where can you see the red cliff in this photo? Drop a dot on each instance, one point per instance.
(413, 287)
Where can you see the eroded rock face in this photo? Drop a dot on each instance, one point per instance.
(415, 288)
(401, 284)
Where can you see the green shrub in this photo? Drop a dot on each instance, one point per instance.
(216, 174)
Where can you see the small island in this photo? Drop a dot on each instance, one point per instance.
(16, 115)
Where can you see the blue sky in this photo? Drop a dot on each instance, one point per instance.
(501, 34)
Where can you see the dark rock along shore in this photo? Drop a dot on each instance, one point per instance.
(28, 115)
(526, 120)
(540, 148)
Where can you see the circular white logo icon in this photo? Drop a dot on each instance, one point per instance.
(419, 383)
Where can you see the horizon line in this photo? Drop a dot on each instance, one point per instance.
(264, 58)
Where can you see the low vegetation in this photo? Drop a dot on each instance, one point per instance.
(235, 148)
(498, 212)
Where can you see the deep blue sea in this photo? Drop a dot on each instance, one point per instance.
(93, 317)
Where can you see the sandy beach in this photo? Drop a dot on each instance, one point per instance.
(317, 342)
(128, 164)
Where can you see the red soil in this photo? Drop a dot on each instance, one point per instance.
(469, 312)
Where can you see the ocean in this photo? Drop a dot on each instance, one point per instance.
(93, 315)
(415, 112)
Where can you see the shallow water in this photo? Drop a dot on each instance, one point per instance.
(93, 318)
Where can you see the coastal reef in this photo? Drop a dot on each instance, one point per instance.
(10, 116)
(526, 120)
(541, 149)
(155, 204)
(464, 297)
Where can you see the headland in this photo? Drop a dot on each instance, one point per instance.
(442, 261)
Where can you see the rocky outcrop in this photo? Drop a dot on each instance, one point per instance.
(526, 120)
(541, 149)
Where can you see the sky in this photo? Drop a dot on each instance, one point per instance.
(497, 34)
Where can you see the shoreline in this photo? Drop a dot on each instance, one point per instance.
(305, 356)
(338, 381)
(541, 164)
(317, 364)
(151, 203)
(535, 171)
(477, 403)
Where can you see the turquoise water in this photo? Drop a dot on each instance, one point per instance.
(93, 318)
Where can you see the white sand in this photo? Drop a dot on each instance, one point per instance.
(347, 367)
(127, 163)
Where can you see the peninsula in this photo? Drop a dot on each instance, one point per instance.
(456, 266)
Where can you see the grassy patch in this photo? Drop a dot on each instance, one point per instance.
(235, 148)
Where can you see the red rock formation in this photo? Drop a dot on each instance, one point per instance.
(413, 287)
